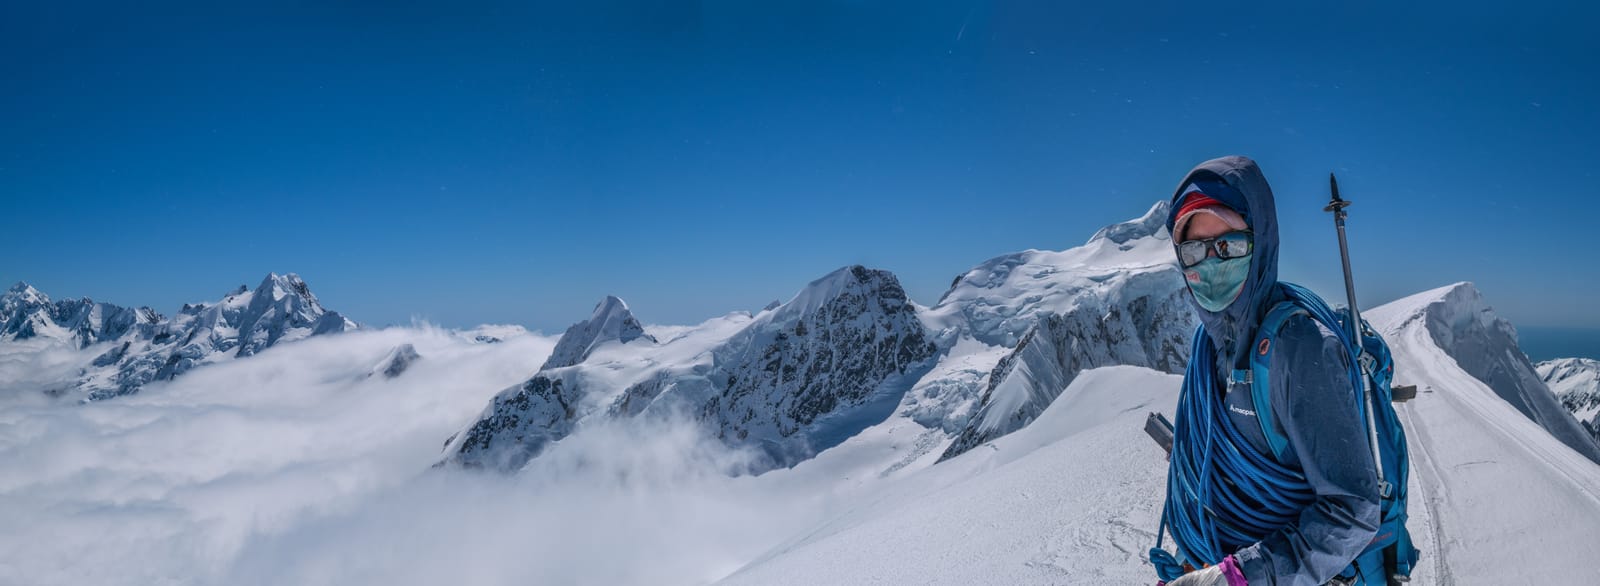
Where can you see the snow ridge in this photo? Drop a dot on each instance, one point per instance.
(1484, 345)
(1153, 224)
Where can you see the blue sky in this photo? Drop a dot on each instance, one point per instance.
(480, 162)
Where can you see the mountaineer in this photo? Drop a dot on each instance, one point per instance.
(1273, 477)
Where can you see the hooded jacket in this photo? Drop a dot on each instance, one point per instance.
(1311, 399)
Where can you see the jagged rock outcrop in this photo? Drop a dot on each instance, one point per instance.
(517, 425)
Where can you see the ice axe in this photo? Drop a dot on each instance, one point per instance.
(1336, 205)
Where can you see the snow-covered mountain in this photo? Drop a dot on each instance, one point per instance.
(1484, 345)
(1492, 486)
(850, 350)
(1576, 382)
(522, 419)
(611, 322)
(1117, 299)
(141, 346)
(1075, 496)
(26, 313)
(793, 380)
(993, 437)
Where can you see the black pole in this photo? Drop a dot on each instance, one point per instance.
(1337, 206)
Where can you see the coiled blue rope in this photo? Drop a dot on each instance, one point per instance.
(1222, 493)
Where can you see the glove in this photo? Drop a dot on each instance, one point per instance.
(1224, 574)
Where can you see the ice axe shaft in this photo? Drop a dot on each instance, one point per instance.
(1337, 206)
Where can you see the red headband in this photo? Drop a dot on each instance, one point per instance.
(1195, 200)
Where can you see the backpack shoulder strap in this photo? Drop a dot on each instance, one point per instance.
(1260, 376)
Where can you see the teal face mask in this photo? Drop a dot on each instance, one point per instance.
(1217, 282)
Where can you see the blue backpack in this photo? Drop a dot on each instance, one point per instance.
(1391, 556)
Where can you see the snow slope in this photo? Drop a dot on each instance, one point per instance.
(1506, 501)
(1479, 342)
(1073, 498)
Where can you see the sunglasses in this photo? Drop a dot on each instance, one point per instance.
(1234, 244)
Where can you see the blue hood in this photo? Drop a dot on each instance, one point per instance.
(1238, 182)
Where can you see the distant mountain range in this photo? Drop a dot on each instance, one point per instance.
(141, 346)
(844, 353)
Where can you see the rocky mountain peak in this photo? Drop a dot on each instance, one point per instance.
(278, 286)
(853, 280)
(22, 291)
(791, 381)
(610, 321)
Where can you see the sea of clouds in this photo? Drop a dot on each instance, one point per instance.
(297, 467)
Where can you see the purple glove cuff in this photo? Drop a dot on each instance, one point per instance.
(1230, 570)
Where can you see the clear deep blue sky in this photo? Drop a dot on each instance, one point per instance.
(472, 162)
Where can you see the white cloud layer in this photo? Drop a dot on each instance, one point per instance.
(294, 467)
